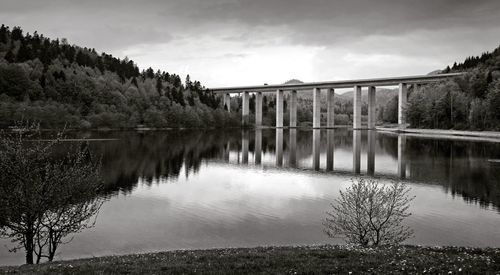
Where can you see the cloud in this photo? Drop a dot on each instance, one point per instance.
(230, 42)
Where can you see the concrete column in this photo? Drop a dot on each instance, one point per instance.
(227, 102)
(258, 109)
(330, 108)
(372, 114)
(356, 108)
(292, 161)
(244, 146)
(238, 156)
(330, 148)
(279, 109)
(402, 103)
(356, 151)
(258, 146)
(316, 108)
(401, 156)
(245, 109)
(371, 152)
(293, 109)
(227, 151)
(279, 147)
(316, 148)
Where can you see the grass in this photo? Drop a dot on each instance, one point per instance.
(285, 260)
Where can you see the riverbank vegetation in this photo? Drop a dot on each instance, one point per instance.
(468, 102)
(59, 85)
(370, 214)
(45, 197)
(285, 260)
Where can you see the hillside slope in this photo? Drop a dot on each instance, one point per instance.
(471, 101)
(59, 84)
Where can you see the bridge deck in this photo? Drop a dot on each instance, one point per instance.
(418, 79)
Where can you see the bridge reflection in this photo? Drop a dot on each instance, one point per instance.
(460, 167)
(285, 153)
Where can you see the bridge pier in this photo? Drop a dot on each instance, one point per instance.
(279, 108)
(415, 81)
(356, 108)
(401, 156)
(227, 102)
(246, 109)
(372, 114)
(316, 108)
(370, 167)
(330, 149)
(292, 155)
(316, 149)
(279, 147)
(293, 109)
(245, 146)
(258, 146)
(402, 103)
(330, 108)
(356, 151)
(258, 109)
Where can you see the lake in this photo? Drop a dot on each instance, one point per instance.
(191, 189)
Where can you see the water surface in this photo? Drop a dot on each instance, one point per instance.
(202, 189)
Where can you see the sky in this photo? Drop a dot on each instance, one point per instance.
(252, 42)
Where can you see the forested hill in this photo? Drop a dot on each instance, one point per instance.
(59, 84)
(468, 102)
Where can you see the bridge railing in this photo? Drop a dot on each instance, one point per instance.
(357, 84)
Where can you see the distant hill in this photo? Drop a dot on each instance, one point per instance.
(435, 72)
(293, 81)
(382, 95)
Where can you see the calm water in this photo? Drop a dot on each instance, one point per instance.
(202, 189)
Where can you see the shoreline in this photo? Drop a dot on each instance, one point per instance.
(487, 136)
(318, 259)
(457, 134)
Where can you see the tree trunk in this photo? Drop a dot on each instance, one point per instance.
(29, 244)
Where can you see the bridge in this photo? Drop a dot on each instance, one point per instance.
(402, 82)
(243, 152)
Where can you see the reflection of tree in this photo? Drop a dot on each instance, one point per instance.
(45, 197)
(156, 155)
(460, 167)
(370, 214)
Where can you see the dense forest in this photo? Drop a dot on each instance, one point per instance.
(63, 85)
(471, 101)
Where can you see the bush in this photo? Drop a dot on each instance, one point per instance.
(370, 214)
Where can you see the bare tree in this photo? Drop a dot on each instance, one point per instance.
(370, 214)
(43, 196)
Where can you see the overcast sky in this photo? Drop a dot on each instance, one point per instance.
(244, 42)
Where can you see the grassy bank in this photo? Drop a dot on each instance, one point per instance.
(284, 260)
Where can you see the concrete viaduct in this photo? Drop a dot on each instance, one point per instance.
(329, 86)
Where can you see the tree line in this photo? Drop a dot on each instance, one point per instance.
(470, 102)
(59, 84)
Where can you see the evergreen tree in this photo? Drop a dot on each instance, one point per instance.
(159, 86)
(16, 34)
(4, 34)
(10, 57)
(24, 53)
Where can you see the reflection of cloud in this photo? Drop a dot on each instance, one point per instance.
(239, 192)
